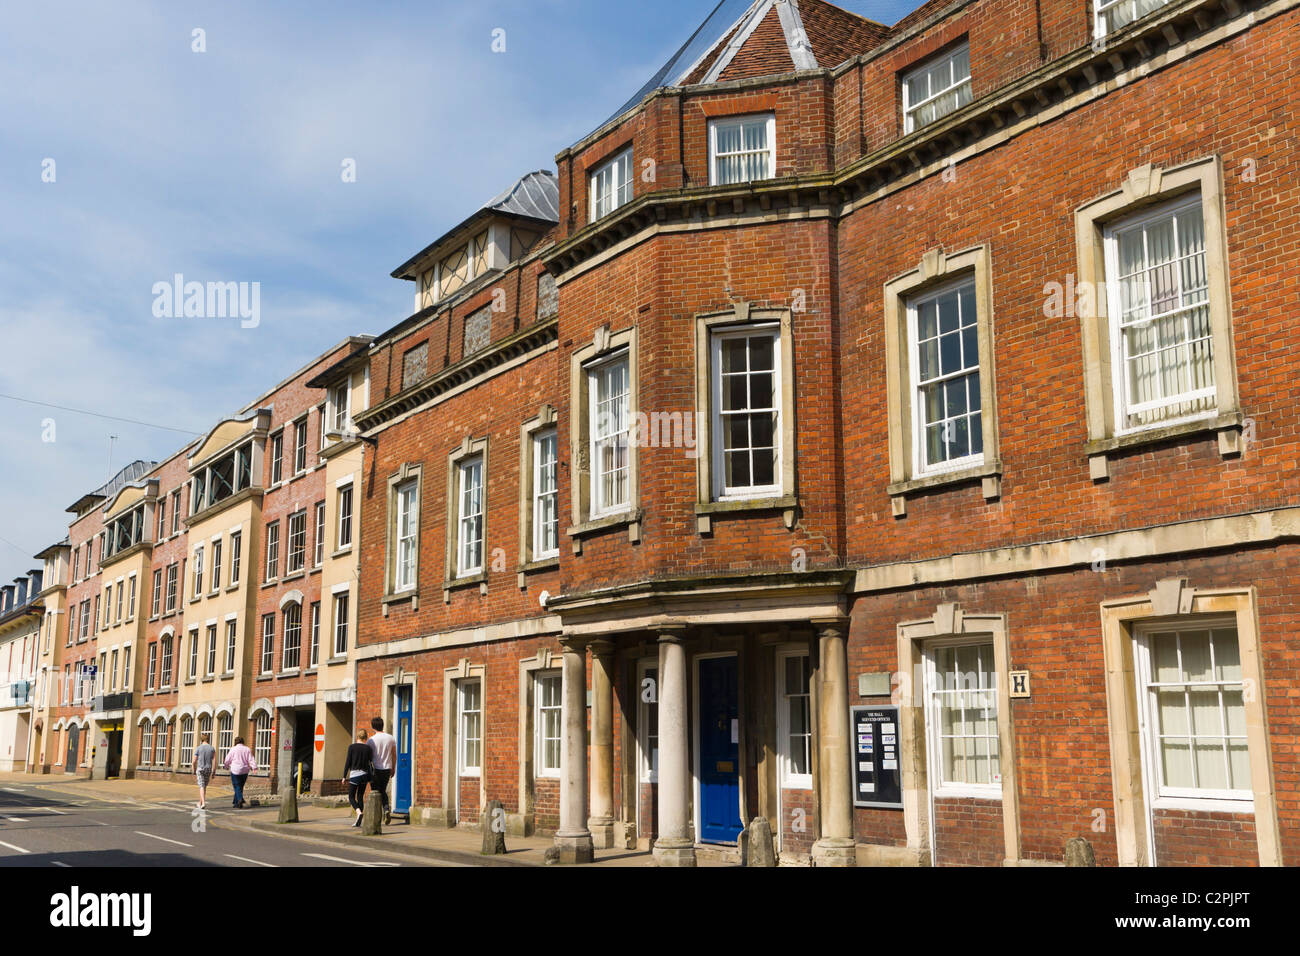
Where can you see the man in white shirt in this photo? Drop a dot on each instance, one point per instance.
(383, 750)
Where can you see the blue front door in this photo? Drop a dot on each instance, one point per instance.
(719, 751)
(402, 789)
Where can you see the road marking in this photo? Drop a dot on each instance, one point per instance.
(244, 859)
(14, 790)
(14, 820)
(12, 847)
(339, 859)
(31, 810)
(61, 863)
(164, 839)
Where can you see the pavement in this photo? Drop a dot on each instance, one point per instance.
(151, 823)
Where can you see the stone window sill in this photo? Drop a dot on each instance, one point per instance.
(707, 511)
(630, 519)
(457, 584)
(536, 567)
(1227, 425)
(989, 474)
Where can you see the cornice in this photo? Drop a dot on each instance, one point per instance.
(467, 370)
(1178, 31)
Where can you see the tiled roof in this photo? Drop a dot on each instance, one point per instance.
(742, 39)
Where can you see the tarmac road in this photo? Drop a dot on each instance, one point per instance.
(42, 827)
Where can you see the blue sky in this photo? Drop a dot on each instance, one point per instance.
(225, 166)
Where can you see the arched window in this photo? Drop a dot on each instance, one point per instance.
(262, 740)
(187, 741)
(146, 743)
(225, 736)
(160, 742)
(205, 727)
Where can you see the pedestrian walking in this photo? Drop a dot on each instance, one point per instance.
(356, 774)
(383, 754)
(240, 762)
(205, 758)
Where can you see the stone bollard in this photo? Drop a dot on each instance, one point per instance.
(288, 805)
(1078, 852)
(372, 815)
(757, 847)
(493, 824)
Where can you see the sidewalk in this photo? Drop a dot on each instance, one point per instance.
(328, 824)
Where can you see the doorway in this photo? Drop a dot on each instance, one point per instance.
(113, 764)
(718, 756)
(74, 748)
(403, 706)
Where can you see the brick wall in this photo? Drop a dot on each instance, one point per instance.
(968, 832)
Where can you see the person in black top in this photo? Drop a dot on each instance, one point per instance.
(356, 774)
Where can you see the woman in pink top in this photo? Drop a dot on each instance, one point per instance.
(240, 762)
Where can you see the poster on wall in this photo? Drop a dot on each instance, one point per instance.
(874, 745)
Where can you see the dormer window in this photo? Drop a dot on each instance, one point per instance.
(611, 185)
(742, 149)
(463, 266)
(225, 477)
(124, 532)
(341, 403)
(936, 88)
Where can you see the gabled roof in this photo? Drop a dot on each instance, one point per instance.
(741, 39)
(535, 197)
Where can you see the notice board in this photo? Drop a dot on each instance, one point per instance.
(877, 777)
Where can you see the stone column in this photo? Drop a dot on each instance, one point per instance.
(674, 845)
(601, 823)
(836, 846)
(573, 840)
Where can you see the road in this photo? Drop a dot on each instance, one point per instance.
(45, 828)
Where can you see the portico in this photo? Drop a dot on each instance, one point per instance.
(706, 717)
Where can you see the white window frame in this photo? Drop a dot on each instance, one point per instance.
(266, 663)
(1101, 27)
(722, 491)
(318, 546)
(539, 440)
(606, 186)
(1182, 798)
(342, 610)
(469, 562)
(273, 551)
(922, 468)
(768, 119)
(341, 412)
(216, 564)
(277, 458)
(540, 768)
(198, 572)
(1119, 363)
(289, 553)
(300, 445)
(262, 739)
(463, 767)
(344, 532)
(236, 554)
(910, 109)
(599, 507)
(232, 632)
(406, 545)
(211, 653)
(939, 788)
(285, 646)
(790, 780)
(313, 658)
(194, 653)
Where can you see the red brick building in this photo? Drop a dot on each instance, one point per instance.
(880, 430)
